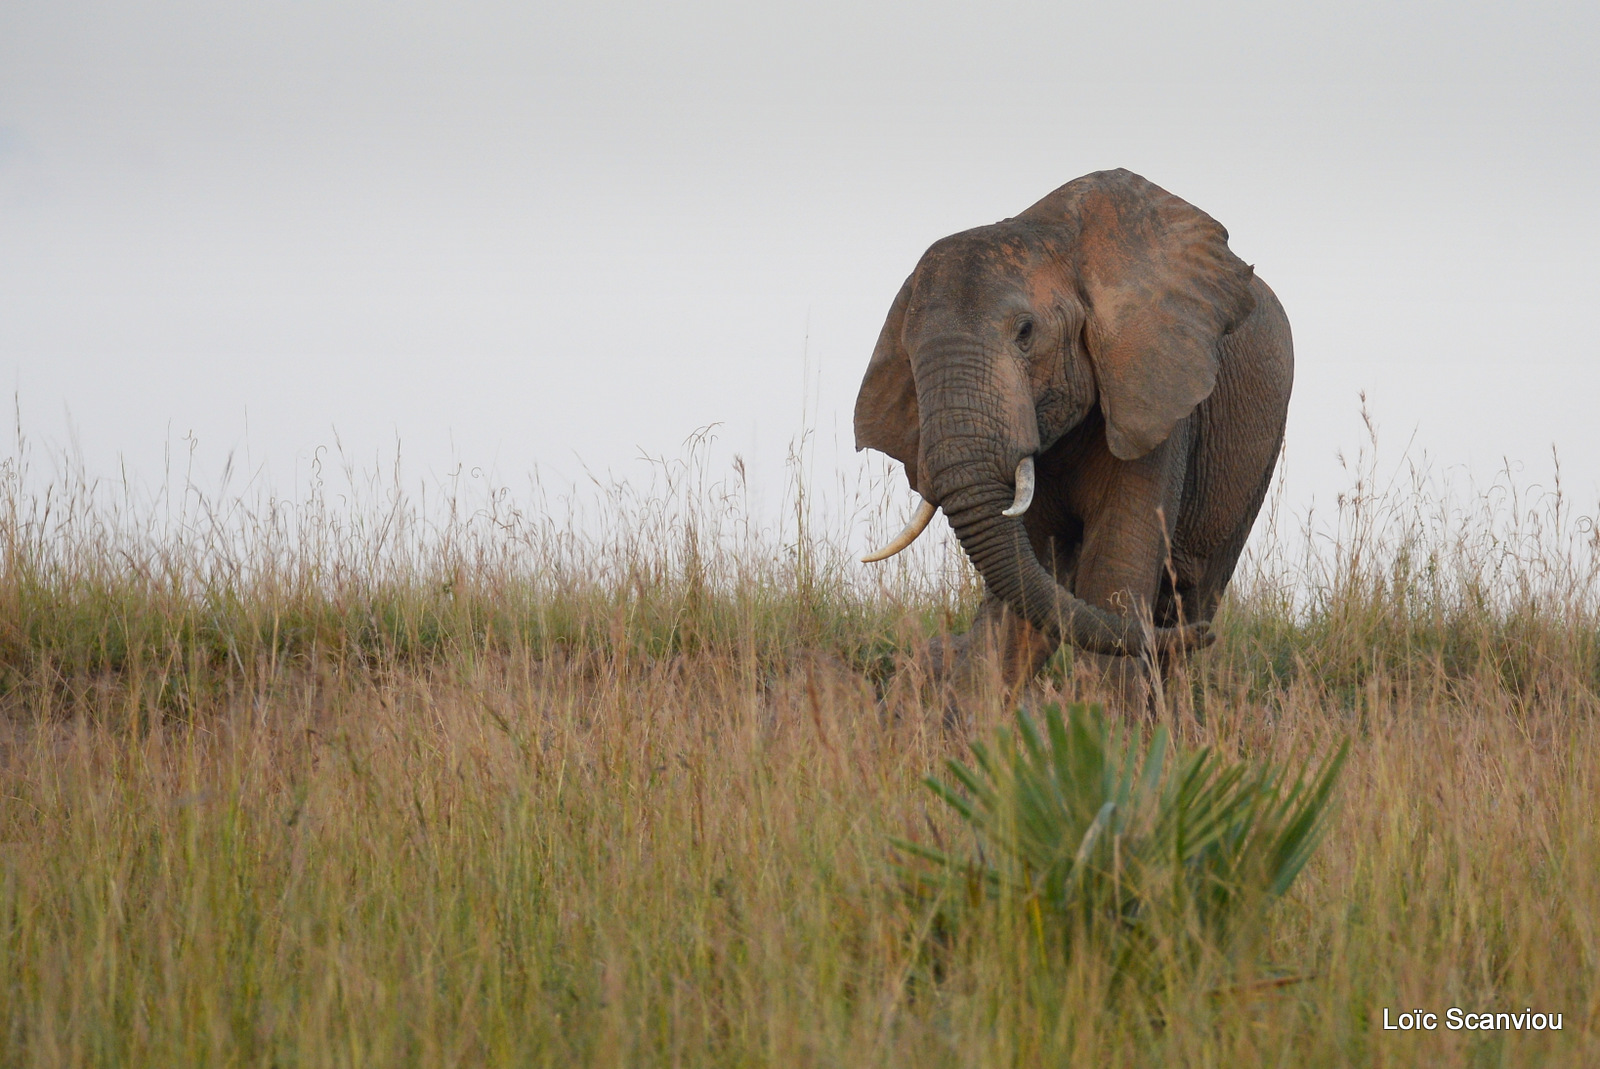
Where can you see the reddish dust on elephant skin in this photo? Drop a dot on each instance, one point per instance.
(1108, 340)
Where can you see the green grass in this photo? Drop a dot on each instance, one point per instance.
(363, 783)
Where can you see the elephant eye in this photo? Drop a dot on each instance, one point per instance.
(1025, 333)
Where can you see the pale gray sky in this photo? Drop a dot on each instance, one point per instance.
(515, 234)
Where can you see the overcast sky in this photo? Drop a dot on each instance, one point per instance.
(560, 234)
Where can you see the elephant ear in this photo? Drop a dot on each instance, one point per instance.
(1162, 288)
(887, 418)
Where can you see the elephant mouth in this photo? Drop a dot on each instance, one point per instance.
(1025, 483)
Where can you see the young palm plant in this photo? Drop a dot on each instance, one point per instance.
(1097, 847)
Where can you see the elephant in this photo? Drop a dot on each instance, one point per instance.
(1095, 393)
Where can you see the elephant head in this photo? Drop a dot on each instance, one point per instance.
(1110, 292)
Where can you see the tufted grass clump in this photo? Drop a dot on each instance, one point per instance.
(1100, 846)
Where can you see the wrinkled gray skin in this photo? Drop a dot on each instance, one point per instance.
(1109, 332)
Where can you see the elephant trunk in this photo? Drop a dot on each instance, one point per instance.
(998, 547)
(973, 435)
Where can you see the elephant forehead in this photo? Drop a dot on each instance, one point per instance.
(977, 269)
(998, 247)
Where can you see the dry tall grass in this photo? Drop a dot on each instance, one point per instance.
(336, 783)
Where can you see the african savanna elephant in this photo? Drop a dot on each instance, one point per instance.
(1094, 392)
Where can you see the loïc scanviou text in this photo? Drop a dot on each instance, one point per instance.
(1457, 1019)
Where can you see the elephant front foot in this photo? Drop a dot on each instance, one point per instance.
(974, 674)
(1124, 684)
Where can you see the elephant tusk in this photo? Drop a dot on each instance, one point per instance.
(918, 524)
(1024, 488)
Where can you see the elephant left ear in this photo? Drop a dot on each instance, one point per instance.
(1162, 287)
(887, 418)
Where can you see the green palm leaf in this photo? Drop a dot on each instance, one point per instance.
(1111, 844)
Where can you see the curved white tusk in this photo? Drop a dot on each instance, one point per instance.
(1024, 496)
(918, 524)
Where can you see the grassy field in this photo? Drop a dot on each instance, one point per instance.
(355, 780)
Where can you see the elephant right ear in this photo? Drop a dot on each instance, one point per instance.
(887, 418)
